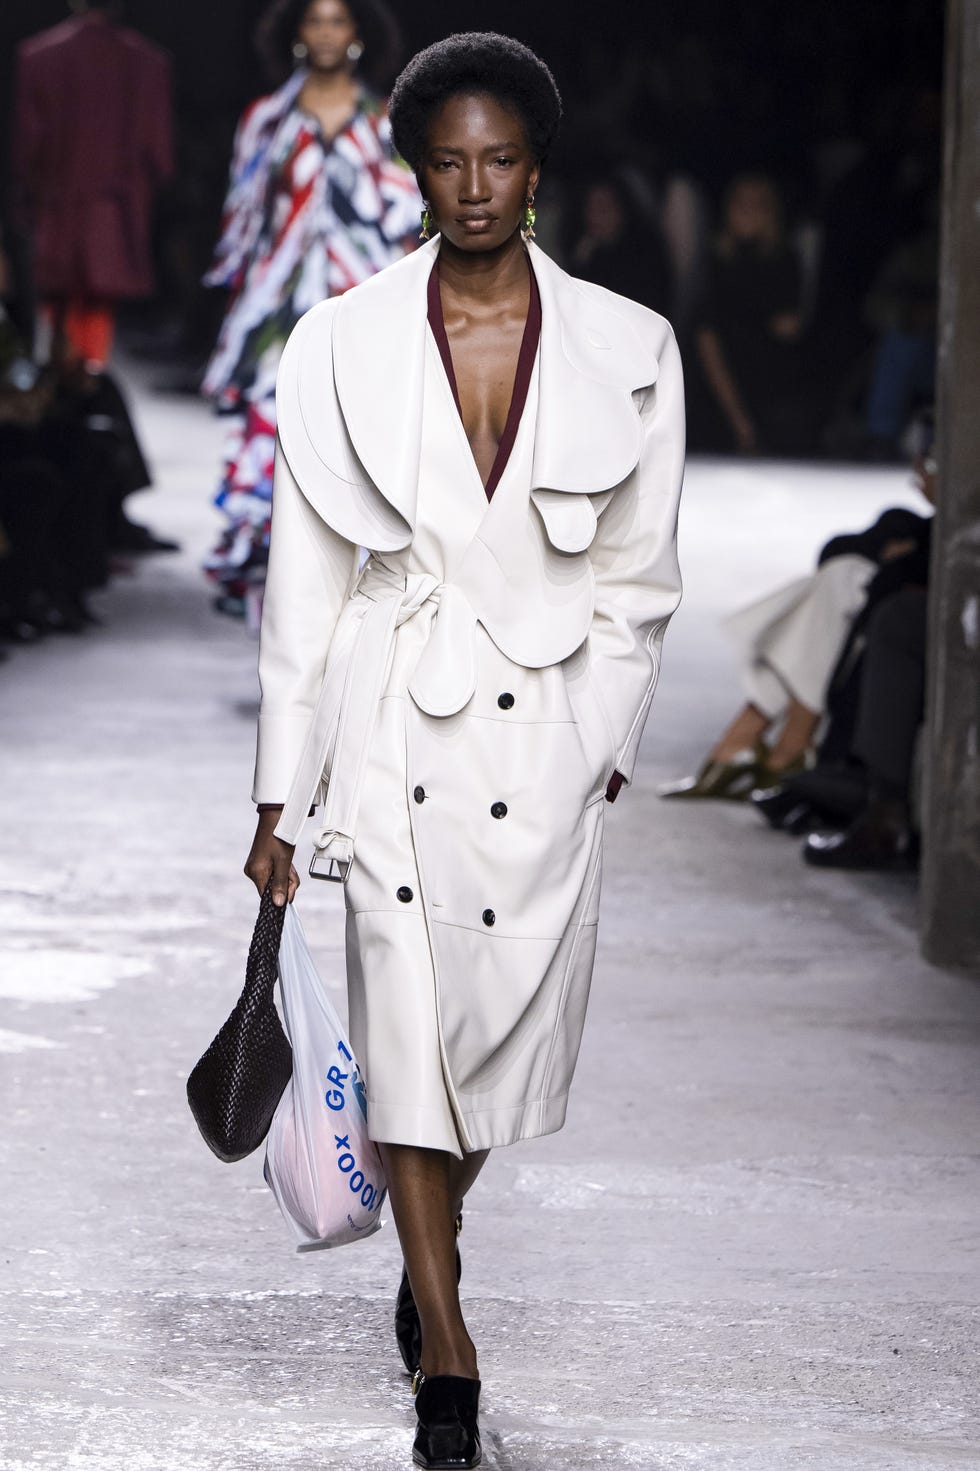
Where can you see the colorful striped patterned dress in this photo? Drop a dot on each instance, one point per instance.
(305, 219)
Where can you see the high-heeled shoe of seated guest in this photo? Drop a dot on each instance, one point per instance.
(408, 1328)
(732, 780)
(448, 1434)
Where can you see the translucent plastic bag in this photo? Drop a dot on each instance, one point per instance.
(322, 1168)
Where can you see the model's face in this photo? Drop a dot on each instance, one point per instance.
(326, 30)
(477, 172)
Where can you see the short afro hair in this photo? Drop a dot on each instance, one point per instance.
(474, 62)
(376, 26)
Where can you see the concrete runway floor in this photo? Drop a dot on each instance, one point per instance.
(754, 1245)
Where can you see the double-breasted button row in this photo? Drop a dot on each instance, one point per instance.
(497, 809)
(405, 895)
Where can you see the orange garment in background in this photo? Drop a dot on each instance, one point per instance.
(86, 328)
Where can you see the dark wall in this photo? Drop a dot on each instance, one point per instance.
(861, 41)
(951, 810)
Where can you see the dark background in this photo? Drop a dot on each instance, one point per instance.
(837, 100)
(763, 79)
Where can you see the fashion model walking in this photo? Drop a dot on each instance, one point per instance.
(317, 203)
(508, 443)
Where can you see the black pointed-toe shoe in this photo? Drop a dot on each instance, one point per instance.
(864, 845)
(408, 1329)
(448, 1434)
(783, 808)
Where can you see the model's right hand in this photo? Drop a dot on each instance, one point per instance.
(271, 858)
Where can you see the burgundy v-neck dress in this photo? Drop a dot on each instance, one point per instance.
(522, 377)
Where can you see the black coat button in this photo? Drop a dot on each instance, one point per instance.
(489, 917)
(505, 701)
(405, 894)
(419, 794)
(499, 809)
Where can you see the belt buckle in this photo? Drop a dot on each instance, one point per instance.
(331, 870)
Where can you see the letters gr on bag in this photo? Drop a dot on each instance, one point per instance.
(335, 1099)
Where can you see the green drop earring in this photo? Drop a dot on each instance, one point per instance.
(428, 223)
(530, 216)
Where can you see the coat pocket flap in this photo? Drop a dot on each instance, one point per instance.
(569, 519)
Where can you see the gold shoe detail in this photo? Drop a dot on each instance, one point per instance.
(732, 780)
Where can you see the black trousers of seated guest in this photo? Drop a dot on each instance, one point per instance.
(31, 498)
(84, 530)
(892, 693)
(911, 571)
(57, 525)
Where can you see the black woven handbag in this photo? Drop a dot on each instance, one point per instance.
(234, 1089)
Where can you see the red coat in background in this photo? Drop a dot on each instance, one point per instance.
(93, 138)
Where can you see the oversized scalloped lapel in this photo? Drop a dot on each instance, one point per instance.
(317, 446)
(379, 364)
(593, 357)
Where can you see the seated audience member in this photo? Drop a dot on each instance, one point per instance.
(616, 248)
(68, 458)
(52, 507)
(91, 411)
(860, 785)
(798, 651)
(38, 586)
(749, 395)
(889, 715)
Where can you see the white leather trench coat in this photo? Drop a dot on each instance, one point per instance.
(456, 704)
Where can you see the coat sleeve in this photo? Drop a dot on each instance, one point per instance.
(634, 557)
(311, 572)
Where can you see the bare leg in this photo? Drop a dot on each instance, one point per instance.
(426, 1188)
(796, 736)
(744, 733)
(463, 1174)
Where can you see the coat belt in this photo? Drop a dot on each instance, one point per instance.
(394, 598)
